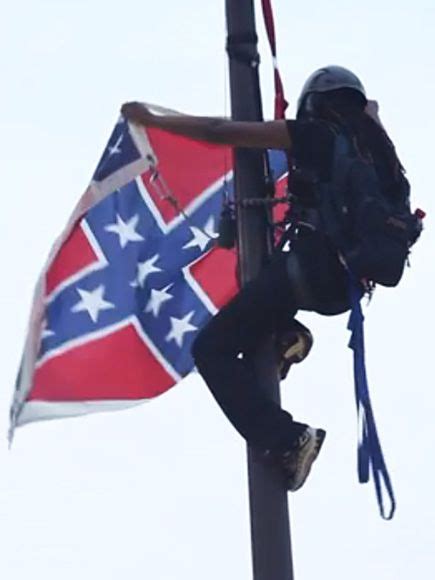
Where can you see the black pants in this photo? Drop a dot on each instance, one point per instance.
(263, 307)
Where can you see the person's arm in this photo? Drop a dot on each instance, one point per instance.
(262, 135)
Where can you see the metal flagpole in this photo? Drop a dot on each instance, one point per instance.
(270, 528)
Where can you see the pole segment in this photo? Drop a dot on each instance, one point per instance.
(270, 528)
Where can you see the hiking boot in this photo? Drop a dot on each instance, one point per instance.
(292, 347)
(296, 463)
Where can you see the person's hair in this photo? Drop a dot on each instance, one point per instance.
(345, 108)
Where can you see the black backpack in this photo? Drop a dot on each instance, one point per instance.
(372, 229)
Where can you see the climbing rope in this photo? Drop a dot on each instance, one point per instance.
(280, 102)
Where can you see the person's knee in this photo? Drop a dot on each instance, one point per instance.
(300, 288)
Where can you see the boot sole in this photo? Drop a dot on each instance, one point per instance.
(311, 455)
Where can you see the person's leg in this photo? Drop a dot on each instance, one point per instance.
(264, 306)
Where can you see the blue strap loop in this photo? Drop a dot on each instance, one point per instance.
(369, 447)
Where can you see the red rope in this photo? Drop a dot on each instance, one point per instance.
(280, 102)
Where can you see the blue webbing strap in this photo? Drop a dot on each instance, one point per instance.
(369, 447)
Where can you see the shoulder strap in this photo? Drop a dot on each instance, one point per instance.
(332, 195)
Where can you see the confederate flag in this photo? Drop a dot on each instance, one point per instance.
(132, 278)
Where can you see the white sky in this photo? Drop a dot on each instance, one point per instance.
(161, 491)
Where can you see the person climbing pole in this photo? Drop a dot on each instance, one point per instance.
(327, 244)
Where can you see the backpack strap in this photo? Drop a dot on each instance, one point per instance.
(332, 195)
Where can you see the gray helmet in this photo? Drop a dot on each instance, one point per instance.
(330, 78)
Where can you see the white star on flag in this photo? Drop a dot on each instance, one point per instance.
(92, 302)
(116, 148)
(179, 328)
(144, 269)
(157, 299)
(201, 237)
(46, 332)
(125, 230)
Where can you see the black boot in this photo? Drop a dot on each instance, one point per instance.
(292, 346)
